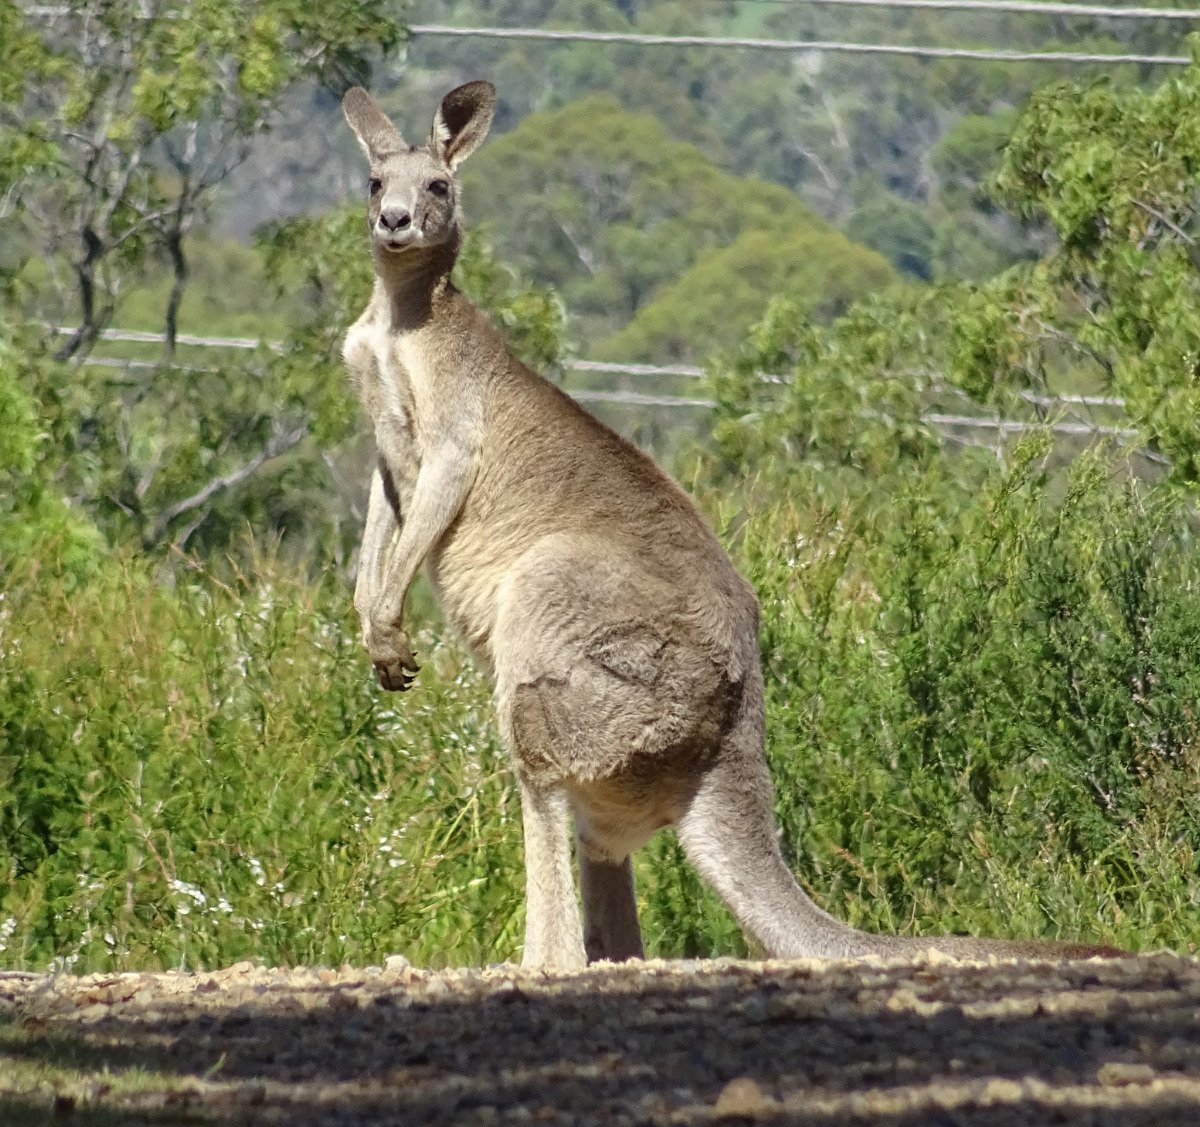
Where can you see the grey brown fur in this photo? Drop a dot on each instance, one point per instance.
(622, 642)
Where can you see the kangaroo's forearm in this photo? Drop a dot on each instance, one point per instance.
(380, 531)
(442, 486)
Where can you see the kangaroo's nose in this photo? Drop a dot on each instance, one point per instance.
(395, 218)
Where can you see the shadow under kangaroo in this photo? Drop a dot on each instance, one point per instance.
(622, 642)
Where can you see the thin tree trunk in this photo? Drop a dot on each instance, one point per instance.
(84, 336)
(179, 266)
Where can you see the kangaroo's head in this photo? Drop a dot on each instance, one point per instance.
(412, 192)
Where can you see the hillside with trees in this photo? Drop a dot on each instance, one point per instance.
(626, 223)
(892, 151)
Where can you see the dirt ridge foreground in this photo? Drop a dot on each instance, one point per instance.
(656, 1043)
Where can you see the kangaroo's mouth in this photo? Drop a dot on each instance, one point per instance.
(397, 244)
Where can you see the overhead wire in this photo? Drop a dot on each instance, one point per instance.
(792, 45)
(1090, 11)
(641, 39)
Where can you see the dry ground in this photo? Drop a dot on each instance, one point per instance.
(925, 1043)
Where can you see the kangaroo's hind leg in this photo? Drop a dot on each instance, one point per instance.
(579, 697)
(553, 930)
(610, 921)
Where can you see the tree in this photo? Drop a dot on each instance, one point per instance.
(1112, 308)
(143, 110)
(712, 304)
(897, 228)
(124, 120)
(1114, 172)
(606, 206)
(156, 105)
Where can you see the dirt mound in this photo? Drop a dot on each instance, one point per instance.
(933, 1042)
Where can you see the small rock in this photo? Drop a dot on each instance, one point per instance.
(92, 1013)
(1118, 1074)
(744, 1097)
(396, 963)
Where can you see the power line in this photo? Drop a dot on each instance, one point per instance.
(604, 367)
(126, 365)
(1099, 11)
(687, 370)
(638, 399)
(1015, 426)
(1019, 7)
(794, 45)
(138, 336)
(1073, 400)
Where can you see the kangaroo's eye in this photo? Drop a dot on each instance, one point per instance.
(374, 185)
(440, 188)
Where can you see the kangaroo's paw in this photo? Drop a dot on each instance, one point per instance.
(390, 651)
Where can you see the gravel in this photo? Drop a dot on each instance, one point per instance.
(807, 1042)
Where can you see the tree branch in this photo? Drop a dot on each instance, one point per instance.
(1166, 221)
(278, 444)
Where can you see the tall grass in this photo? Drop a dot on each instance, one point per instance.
(982, 717)
(209, 773)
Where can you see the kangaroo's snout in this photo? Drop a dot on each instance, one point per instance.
(394, 219)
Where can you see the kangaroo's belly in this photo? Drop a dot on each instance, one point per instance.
(466, 574)
(396, 442)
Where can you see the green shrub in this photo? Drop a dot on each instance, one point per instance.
(199, 775)
(981, 718)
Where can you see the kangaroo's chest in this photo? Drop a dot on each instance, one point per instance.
(381, 376)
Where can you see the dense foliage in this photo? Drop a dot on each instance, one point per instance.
(1111, 309)
(981, 716)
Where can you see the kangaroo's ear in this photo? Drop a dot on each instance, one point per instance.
(374, 130)
(462, 122)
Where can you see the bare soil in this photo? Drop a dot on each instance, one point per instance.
(931, 1042)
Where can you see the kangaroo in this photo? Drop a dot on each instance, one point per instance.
(622, 643)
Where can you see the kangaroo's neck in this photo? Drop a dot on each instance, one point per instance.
(415, 287)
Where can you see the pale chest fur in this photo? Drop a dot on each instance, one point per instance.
(422, 399)
(380, 374)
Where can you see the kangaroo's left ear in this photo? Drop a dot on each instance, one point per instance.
(462, 121)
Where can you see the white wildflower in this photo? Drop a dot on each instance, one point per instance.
(185, 889)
